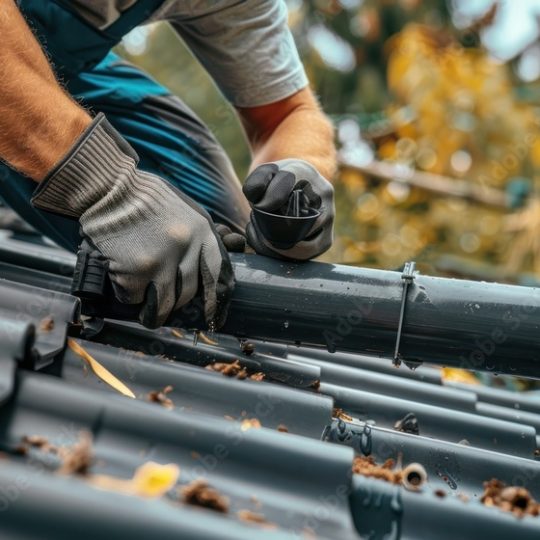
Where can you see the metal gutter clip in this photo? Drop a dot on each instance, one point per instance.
(407, 277)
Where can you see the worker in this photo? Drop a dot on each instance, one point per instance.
(110, 154)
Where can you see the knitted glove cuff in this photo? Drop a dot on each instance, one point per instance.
(99, 161)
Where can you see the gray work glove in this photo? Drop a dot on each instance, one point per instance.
(269, 188)
(160, 245)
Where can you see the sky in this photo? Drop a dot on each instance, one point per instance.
(515, 26)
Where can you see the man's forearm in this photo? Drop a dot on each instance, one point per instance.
(306, 135)
(39, 122)
(295, 128)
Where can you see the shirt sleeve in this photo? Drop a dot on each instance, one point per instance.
(246, 46)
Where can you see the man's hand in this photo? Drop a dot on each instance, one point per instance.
(160, 245)
(269, 188)
(279, 133)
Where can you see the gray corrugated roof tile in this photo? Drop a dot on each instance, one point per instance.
(302, 483)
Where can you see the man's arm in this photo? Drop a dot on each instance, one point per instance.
(293, 149)
(294, 127)
(39, 122)
(249, 51)
(161, 248)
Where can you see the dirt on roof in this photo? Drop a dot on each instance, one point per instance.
(235, 369)
(199, 493)
(517, 500)
(161, 397)
(366, 466)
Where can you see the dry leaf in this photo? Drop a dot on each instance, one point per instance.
(248, 423)
(199, 493)
(150, 480)
(160, 396)
(154, 480)
(100, 371)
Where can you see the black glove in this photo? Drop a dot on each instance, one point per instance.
(233, 242)
(159, 243)
(269, 188)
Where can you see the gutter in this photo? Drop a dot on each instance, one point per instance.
(472, 325)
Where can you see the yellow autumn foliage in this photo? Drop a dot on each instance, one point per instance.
(454, 114)
(461, 101)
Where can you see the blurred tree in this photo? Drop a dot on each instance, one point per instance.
(406, 86)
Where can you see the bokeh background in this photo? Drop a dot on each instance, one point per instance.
(436, 107)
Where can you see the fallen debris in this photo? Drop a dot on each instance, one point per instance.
(39, 441)
(161, 397)
(74, 459)
(46, 324)
(339, 413)
(235, 369)
(308, 533)
(517, 500)
(150, 480)
(229, 370)
(154, 479)
(283, 428)
(250, 423)
(206, 339)
(35, 441)
(252, 517)
(440, 493)
(100, 371)
(78, 458)
(366, 466)
(247, 347)
(316, 385)
(408, 424)
(199, 493)
(20, 450)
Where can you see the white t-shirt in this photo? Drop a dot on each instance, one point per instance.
(245, 45)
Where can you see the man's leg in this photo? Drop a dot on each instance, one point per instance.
(169, 138)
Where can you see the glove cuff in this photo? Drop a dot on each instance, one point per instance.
(100, 160)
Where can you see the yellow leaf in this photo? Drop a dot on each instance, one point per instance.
(150, 480)
(459, 376)
(154, 480)
(103, 373)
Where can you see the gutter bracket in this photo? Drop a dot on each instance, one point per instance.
(407, 277)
